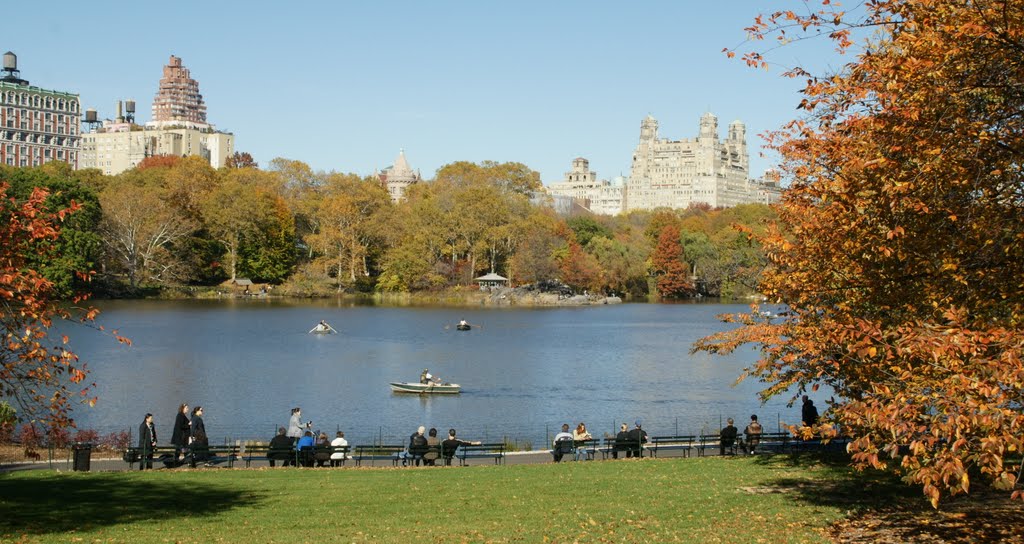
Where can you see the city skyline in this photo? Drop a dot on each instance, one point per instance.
(345, 87)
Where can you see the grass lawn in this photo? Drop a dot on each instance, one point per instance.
(728, 500)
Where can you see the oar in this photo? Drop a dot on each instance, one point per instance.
(332, 328)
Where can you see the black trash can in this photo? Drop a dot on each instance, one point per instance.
(81, 456)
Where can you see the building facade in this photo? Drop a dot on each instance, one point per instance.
(36, 125)
(674, 174)
(587, 191)
(702, 170)
(179, 127)
(177, 101)
(398, 177)
(119, 145)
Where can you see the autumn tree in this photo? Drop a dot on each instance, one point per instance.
(240, 159)
(673, 274)
(39, 375)
(899, 251)
(140, 230)
(78, 243)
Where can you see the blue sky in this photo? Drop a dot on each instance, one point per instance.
(344, 85)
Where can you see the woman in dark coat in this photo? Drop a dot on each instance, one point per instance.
(147, 442)
(200, 442)
(182, 431)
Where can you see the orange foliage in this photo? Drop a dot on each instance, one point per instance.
(900, 245)
(158, 161)
(41, 381)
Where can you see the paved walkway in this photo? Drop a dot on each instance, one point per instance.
(110, 464)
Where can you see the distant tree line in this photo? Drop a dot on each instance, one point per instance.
(173, 222)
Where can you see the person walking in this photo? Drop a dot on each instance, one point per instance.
(147, 442)
(181, 436)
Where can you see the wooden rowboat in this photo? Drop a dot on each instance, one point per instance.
(426, 388)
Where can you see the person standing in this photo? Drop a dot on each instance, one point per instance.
(295, 425)
(809, 413)
(753, 434)
(200, 441)
(182, 434)
(147, 442)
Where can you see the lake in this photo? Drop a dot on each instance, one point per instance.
(524, 371)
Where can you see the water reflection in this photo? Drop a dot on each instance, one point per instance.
(523, 372)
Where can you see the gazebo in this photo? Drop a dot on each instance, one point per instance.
(492, 280)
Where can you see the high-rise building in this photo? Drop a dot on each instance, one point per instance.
(177, 101)
(398, 177)
(36, 125)
(178, 128)
(677, 173)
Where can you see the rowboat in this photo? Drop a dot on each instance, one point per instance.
(426, 388)
(463, 327)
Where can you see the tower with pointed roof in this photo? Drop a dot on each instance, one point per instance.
(398, 177)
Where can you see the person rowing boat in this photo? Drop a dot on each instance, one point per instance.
(322, 328)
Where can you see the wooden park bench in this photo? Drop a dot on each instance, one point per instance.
(487, 450)
(379, 452)
(683, 443)
(714, 442)
(613, 447)
(265, 452)
(212, 454)
(768, 441)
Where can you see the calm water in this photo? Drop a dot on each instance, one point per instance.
(523, 372)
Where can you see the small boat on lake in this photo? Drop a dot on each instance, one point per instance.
(322, 328)
(463, 327)
(426, 388)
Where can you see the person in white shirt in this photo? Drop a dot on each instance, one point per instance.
(562, 443)
(338, 457)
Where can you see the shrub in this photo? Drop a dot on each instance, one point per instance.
(87, 436)
(29, 436)
(117, 440)
(58, 438)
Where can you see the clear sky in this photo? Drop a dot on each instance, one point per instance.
(344, 85)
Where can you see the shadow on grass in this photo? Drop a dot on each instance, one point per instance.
(58, 503)
(883, 509)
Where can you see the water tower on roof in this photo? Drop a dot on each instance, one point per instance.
(10, 72)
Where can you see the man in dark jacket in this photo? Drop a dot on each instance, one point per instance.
(147, 442)
(621, 441)
(281, 449)
(727, 438)
(809, 412)
(637, 439)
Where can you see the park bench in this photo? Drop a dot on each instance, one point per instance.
(589, 448)
(683, 443)
(380, 452)
(133, 454)
(621, 447)
(768, 441)
(265, 452)
(486, 450)
(212, 455)
(713, 442)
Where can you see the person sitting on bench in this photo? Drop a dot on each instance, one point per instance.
(727, 438)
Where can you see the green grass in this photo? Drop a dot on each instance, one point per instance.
(730, 500)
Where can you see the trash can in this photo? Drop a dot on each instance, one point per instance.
(81, 456)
